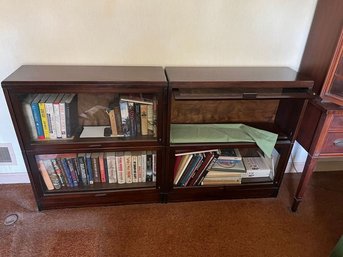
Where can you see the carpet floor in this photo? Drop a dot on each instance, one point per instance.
(249, 227)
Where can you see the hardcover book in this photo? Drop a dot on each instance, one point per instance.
(120, 166)
(27, 110)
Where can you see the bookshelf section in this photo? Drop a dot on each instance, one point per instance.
(231, 130)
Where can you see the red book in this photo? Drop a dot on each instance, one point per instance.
(177, 163)
(102, 168)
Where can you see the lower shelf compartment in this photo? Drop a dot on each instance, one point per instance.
(220, 193)
(103, 198)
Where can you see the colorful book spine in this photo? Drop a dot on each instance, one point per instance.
(120, 167)
(43, 117)
(144, 120)
(138, 118)
(154, 161)
(95, 167)
(53, 176)
(134, 168)
(49, 108)
(45, 175)
(73, 172)
(89, 168)
(132, 117)
(150, 117)
(128, 168)
(125, 120)
(67, 172)
(37, 117)
(27, 110)
(83, 168)
(149, 173)
(139, 168)
(102, 168)
(59, 172)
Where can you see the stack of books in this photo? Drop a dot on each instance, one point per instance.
(133, 115)
(82, 169)
(51, 116)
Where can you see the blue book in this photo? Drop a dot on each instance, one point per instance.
(37, 117)
(89, 168)
(67, 172)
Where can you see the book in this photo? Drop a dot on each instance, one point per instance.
(154, 169)
(229, 154)
(257, 166)
(182, 166)
(111, 167)
(216, 181)
(106, 168)
(228, 166)
(195, 152)
(71, 114)
(73, 171)
(37, 116)
(66, 169)
(45, 175)
(28, 115)
(128, 167)
(139, 167)
(120, 167)
(63, 116)
(102, 168)
(89, 168)
(134, 166)
(154, 117)
(95, 167)
(132, 118)
(81, 157)
(125, 120)
(150, 117)
(43, 115)
(52, 174)
(59, 173)
(138, 118)
(143, 166)
(49, 108)
(144, 119)
(56, 107)
(188, 172)
(202, 171)
(149, 168)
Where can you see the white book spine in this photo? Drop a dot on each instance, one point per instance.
(139, 168)
(57, 120)
(128, 169)
(30, 120)
(63, 120)
(51, 120)
(143, 166)
(120, 168)
(134, 164)
(111, 166)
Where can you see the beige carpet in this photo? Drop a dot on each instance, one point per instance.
(257, 227)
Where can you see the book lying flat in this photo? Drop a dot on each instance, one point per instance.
(94, 131)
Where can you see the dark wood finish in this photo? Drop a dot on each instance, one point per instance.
(333, 87)
(97, 80)
(322, 126)
(322, 41)
(278, 114)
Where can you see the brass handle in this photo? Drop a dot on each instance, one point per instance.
(338, 142)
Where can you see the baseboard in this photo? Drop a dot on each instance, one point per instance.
(14, 178)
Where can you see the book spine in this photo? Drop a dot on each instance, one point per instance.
(117, 117)
(44, 119)
(45, 176)
(73, 172)
(89, 169)
(143, 166)
(63, 120)
(68, 119)
(154, 167)
(106, 168)
(134, 168)
(150, 117)
(113, 122)
(112, 171)
(132, 116)
(30, 120)
(38, 121)
(149, 172)
(144, 120)
(67, 172)
(120, 168)
(124, 112)
(53, 176)
(59, 172)
(96, 171)
(128, 169)
(102, 168)
(139, 168)
(56, 108)
(138, 118)
(154, 116)
(51, 120)
(83, 169)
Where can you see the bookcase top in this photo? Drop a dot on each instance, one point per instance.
(240, 76)
(91, 74)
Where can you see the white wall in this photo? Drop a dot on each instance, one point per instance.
(148, 32)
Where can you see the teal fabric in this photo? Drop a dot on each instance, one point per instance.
(215, 133)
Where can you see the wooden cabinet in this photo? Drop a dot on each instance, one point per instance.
(73, 103)
(271, 99)
(62, 115)
(321, 131)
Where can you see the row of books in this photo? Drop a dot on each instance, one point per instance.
(51, 116)
(225, 166)
(74, 170)
(133, 115)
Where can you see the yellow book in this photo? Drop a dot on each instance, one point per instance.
(43, 116)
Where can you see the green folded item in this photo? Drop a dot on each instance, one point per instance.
(216, 133)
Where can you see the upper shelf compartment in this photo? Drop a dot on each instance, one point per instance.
(220, 83)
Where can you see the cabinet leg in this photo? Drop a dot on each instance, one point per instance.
(305, 178)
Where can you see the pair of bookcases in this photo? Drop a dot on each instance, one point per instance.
(272, 99)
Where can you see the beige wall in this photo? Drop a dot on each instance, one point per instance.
(149, 32)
